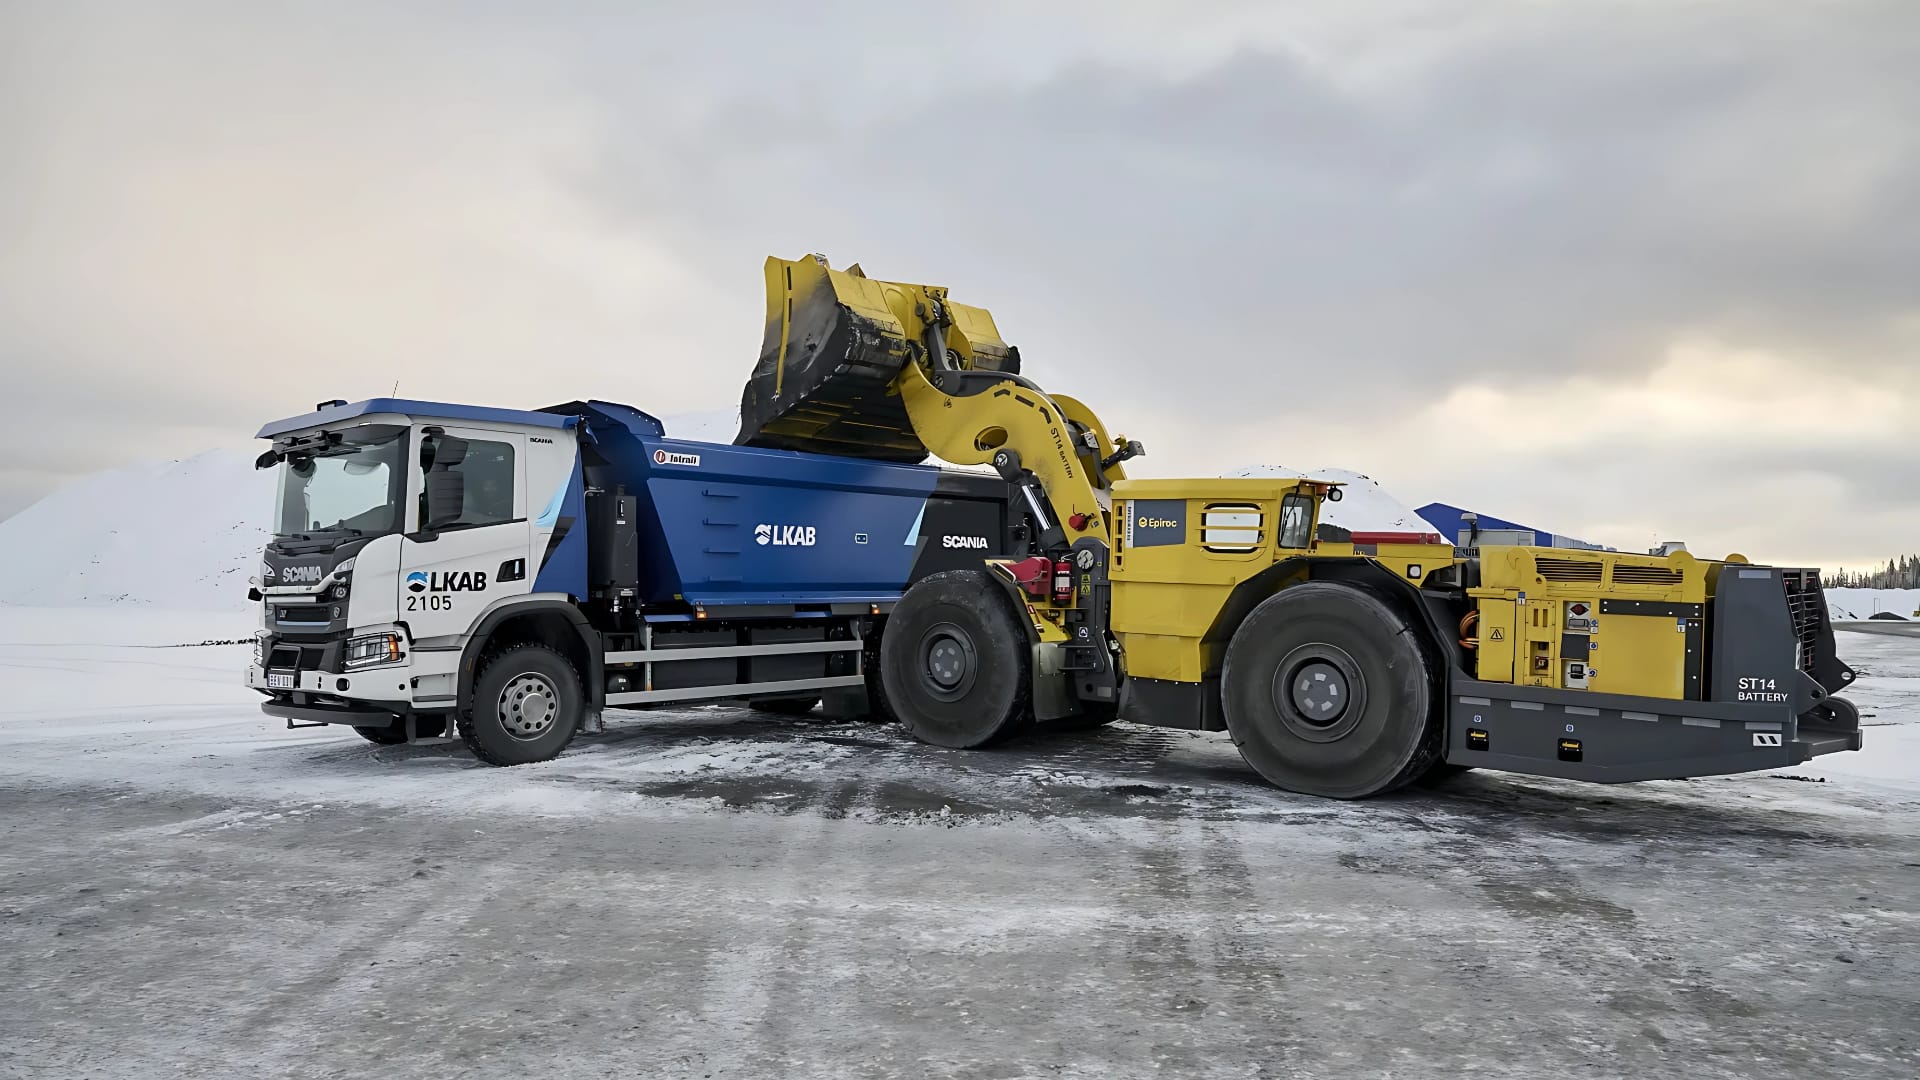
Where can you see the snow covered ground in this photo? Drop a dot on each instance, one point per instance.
(188, 888)
(1864, 603)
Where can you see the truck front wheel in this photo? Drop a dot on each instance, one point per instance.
(527, 705)
(1327, 692)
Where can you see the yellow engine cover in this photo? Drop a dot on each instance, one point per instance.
(1591, 620)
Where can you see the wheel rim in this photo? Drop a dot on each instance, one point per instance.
(1319, 693)
(949, 663)
(528, 706)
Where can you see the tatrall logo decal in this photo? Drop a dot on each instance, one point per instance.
(783, 535)
(416, 582)
(668, 457)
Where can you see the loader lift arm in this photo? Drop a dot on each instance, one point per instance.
(853, 365)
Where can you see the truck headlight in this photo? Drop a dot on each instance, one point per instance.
(373, 649)
(259, 650)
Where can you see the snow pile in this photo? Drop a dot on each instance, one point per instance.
(1364, 505)
(1862, 603)
(168, 534)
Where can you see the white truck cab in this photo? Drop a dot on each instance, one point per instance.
(398, 526)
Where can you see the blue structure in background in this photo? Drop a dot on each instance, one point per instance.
(1446, 521)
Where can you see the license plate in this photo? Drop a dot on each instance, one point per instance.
(280, 680)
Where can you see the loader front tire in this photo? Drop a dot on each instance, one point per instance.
(1327, 691)
(527, 706)
(954, 662)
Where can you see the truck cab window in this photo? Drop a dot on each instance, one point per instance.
(468, 482)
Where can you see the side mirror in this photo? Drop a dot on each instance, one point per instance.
(446, 499)
(444, 451)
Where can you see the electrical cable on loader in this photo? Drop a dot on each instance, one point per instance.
(1340, 669)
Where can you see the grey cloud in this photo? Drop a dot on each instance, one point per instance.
(1229, 218)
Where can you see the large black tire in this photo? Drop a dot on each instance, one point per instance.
(954, 661)
(1329, 692)
(527, 705)
(395, 733)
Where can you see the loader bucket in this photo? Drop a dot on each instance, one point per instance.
(835, 341)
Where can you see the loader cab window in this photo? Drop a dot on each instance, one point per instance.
(1296, 521)
(467, 482)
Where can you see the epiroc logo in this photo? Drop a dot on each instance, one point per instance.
(1156, 522)
(447, 581)
(783, 535)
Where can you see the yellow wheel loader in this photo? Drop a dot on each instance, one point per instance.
(1340, 669)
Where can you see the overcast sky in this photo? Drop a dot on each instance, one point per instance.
(1629, 271)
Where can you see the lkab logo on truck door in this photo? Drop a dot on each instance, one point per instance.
(783, 535)
(447, 581)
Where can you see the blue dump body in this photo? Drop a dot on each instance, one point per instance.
(734, 525)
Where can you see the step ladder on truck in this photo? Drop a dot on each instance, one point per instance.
(511, 574)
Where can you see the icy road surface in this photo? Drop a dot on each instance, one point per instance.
(187, 889)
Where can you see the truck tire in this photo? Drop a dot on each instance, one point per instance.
(1327, 691)
(527, 705)
(395, 733)
(954, 661)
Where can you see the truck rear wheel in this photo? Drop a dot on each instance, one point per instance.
(1327, 692)
(526, 707)
(954, 661)
(394, 734)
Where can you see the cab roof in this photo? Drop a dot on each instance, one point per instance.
(432, 410)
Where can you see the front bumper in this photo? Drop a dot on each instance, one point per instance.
(308, 673)
(328, 714)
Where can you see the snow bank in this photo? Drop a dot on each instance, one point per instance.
(166, 534)
(1364, 505)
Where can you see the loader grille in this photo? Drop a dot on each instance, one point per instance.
(1567, 569)
(1625, 574)
(1808, 606)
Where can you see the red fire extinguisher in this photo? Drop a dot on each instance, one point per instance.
(1063, 582)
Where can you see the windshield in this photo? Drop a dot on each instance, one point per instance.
(353, 488)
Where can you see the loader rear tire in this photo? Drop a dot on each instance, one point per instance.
(1328, 691)
(527, 706)
(954, 662)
